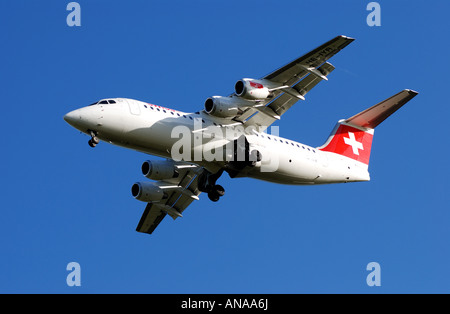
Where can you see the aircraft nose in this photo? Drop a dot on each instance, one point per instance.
(72, 117)
(86, 118)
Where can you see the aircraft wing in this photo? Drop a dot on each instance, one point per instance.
(181, 192)
(298, 77)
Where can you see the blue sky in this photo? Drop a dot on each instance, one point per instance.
(65, 202)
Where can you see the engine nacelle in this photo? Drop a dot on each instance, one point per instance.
(147, 192)
(252, 89)
(159, 170)
(225, 107)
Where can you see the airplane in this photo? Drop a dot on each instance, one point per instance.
(229, 135)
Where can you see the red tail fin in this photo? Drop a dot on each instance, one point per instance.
(353, 137)
(350, 141)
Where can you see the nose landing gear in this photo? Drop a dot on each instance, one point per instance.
(94, 139)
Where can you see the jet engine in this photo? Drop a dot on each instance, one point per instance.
(147, 192)
(159, 170)
(226, 107)
(252, 89)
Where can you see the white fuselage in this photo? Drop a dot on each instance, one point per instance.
(161, 131)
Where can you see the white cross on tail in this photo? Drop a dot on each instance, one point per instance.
(351, 140)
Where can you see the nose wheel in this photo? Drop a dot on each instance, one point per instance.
(94, 139)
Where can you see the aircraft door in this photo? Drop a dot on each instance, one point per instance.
(134, 107)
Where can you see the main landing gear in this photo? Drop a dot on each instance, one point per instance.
(207, 183)
(243, 157)
(94, 139)
(216, 193)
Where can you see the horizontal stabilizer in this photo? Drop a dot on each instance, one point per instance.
(373, 116)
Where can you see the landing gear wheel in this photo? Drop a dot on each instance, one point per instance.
(216, 193)
(219, 190)
(94, 139)
(91, 143)
(207, 184)
(213, 196)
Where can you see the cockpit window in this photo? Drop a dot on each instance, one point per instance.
(104, 102)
